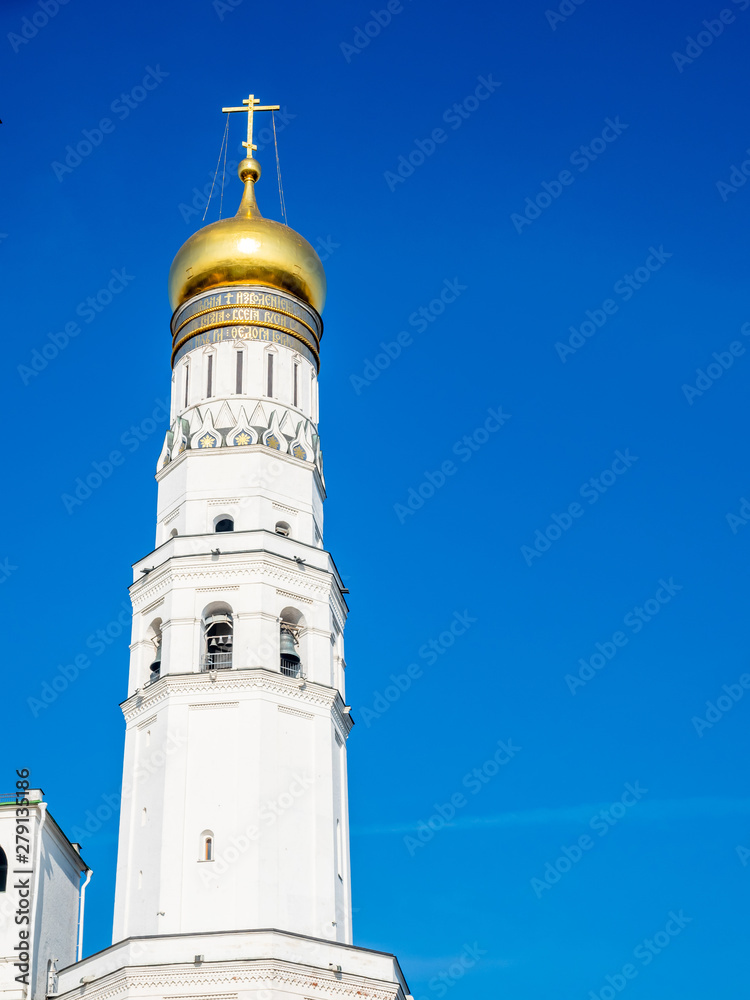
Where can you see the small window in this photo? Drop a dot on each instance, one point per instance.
(173, 533)
(282, 528)
(3, 870)
(210, 376)
(225, 524)
(207, 846)
(295, 392)
(269, 381)
(238, 385)
(187, 382)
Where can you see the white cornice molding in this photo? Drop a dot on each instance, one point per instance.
(232, 681)
(242, 975)
(250, 568)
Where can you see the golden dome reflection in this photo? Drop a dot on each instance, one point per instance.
(249, 250)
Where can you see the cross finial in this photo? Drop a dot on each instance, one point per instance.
(250, 105)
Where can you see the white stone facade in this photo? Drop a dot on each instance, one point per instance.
(52, 892)
(258, 761)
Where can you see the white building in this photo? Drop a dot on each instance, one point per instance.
(41, 894)
(233, 865)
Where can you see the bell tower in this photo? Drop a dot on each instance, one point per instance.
(233, 861)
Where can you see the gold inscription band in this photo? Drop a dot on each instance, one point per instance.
(252, 312)
(247, 315)
(221, 306)
(284, 337)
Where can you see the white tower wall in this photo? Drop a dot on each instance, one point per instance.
(258, 760)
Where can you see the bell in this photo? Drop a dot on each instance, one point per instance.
(156, 665)
(288, 647)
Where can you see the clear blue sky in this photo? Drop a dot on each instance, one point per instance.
(639, 201)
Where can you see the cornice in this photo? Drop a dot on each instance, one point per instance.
(232, 681)
(247, 569)
(143, 981)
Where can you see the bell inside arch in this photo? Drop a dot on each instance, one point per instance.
(288, 646)
(156, 665)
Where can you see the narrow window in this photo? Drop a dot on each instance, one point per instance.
(210, 376)
(187, 382)
(339, 851)
(269, 387)
(296, 383)
(207, 846)
(3, 870)
(238, 386)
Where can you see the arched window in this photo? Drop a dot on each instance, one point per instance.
(238, 372)
(224, 524)
(218, 638)
(207, 846)
(270, 372)
(3, 870)
(282, 528)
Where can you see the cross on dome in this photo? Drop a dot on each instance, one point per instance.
(251, 104)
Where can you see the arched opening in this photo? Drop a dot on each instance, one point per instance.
(224, 524)
(218, 637)
(282, 528)
(3, 870)
(291, 625)
(173, 533)
(206, 846)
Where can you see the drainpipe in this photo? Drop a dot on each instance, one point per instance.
(89, 873)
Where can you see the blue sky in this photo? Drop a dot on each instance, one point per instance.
(580, 184)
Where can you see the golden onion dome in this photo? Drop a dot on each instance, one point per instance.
(247, 250)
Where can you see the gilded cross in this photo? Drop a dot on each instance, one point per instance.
(250, 106)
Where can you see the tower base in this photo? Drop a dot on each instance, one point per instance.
(233, 965)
